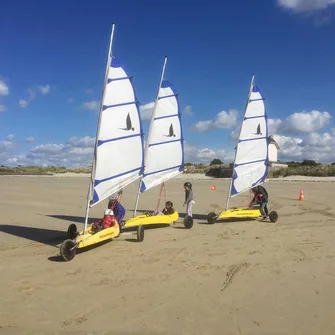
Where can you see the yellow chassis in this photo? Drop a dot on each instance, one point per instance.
(239, 213)
(146, 220)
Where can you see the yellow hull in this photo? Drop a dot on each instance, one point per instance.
(85, 240)
(146, 220)
(239, 213)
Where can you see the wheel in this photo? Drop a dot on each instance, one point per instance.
(140, 234)
(72, 231)
(273, 216)
(211, 217)
(68, 250)
(188, 222)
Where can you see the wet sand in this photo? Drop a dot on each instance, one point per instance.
(246, 277)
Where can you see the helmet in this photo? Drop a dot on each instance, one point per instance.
(169, 204)
(108, 212)
(188, 184)
(254, 189)
(113, 196)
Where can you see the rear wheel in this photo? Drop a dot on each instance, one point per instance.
(188, 222)
(72, 231)
(68, 250)
(140, 234)
(211, 217)
(273, 216)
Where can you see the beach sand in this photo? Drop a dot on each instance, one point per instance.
(280, 276)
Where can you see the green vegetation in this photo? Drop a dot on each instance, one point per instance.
(304, 168)
(39, 170)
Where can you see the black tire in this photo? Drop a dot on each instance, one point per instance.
(211, 217)
(273, 216)
(72, 232)
(68, 250)
(140, 234)
(188, 222)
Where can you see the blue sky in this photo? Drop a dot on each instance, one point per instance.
(53, 55)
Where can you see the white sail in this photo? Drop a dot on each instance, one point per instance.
(164, 158)
(251, 160)
(119, 154)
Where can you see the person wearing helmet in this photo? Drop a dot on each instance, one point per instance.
(118, 209)
(261, 197)
(106, 222)
(189, 202)
(167, 210)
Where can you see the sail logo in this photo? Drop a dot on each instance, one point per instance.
(171, 131)
(258, 131)
(129, 125)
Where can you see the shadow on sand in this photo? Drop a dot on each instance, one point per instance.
(45, 236)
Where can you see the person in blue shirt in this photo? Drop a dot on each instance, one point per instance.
(118, 209)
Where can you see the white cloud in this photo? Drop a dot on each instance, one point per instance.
(2, 108)
(44, 89)
(4, 90)
(6, 149)
(93, 105)
(301, 6)
(222, 120)
(203, 155)
(10, 137)
(30, 139)
(315, 146)
(188, 110)
(304, 122)
(146, 111)
(23, 103)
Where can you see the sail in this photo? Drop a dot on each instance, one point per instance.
(119, 153)
(251, 160)
(164, 158)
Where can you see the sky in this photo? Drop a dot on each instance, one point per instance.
(53, 59)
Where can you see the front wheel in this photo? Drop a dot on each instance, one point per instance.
(188, 222)
(273, 216)
(211, 217)
(68, 250)
(72, 232)
(140, 234)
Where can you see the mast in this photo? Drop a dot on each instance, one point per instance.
(245, 109)
(89, 194)
(150, 129)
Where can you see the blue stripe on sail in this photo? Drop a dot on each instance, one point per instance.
(104, 107)
(116, 79)
(165, 116)
(97, 181)
(95, 197)
(117, 139)
(259, 99)
(255, 89)
(252, 139)
(251, 162)
(143, 187)
(167, 96)
(159, 171)
(165, 142)
(254, 117)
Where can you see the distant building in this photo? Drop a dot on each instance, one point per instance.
(273, 153)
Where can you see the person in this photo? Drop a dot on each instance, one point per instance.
(261, 197)
(167, 210)
(119, 210)
(189, 202)
(106, 222)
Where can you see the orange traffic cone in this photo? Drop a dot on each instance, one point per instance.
(213, 188)
(301, 196)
